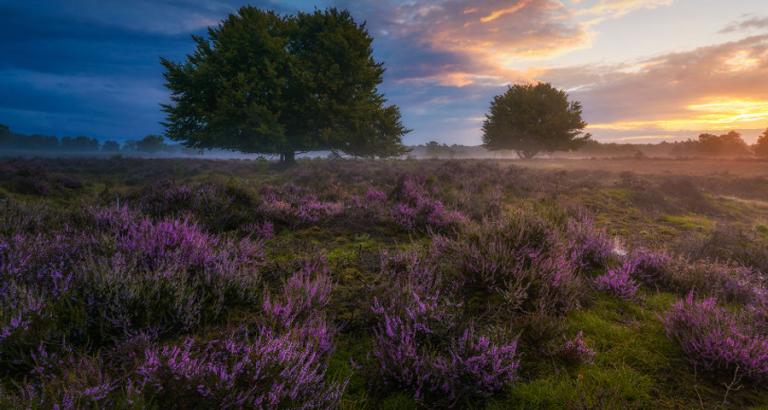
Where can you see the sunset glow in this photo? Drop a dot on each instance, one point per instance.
(732, 111)
(720, 113)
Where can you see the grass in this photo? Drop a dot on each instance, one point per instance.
(689, 222)
(652, 166)
(762, 230)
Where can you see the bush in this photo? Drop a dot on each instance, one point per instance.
(717, 339)
(618, 282)
(266, 371)
(729, 242)
(574, 351)
(586, 246)
(649, 267)
(130, 275)
(726, 281)
(422, 342)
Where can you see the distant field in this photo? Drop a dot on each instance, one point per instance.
(684, 166)
(204, 284)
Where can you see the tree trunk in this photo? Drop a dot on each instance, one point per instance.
(288, 158)
(527, 154)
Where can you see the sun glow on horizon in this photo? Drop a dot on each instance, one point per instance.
(718, 113)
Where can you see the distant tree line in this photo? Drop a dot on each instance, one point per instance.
(711, 145)
(730, 144)
(21, 142)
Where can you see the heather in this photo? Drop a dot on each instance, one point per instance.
(197, 284)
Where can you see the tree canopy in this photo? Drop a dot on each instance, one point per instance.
(530, 119)
(271, 84)
(725, 144)
(151, 143)
(761, 146)
(110, 146)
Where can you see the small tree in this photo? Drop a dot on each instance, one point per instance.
(437, 150)
(7, 138)
(110, 146)
(129, 145)
(530, 119)
(151, 143)
(761, 146)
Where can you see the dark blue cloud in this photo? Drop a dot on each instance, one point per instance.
(88, 67)
(92, 67)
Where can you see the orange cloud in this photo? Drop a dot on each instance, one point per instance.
(499, 13)
(716, 87)
(498, 37)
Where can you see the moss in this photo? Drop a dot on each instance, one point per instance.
(689, 222)
(588, 387)
(617, 194)
(760, 228)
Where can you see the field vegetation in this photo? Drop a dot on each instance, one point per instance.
(196, 284)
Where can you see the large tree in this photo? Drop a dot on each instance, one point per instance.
(530, 119)
(266, 83)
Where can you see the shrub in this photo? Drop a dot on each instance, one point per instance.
(518, 257)
(93, 290)
(420, 341)
(574, 351)
(470, 365)
(266, 371)
(415, 209)
(67, 381)
(717, 339)
(649, 267)
(294, 206)
(492, 252)
(726, 281)
(69, 182)
(587, 247)
(729, 242)
(618, 282)
(303, 296)
(478, 366)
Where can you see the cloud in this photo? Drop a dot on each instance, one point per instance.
(619, 8)
(754, 23)
(720, 86)
(94, 64)
(483, 42)
(499, 13)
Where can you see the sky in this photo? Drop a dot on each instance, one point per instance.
(644, 70)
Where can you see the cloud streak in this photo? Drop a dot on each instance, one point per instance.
(754, 23)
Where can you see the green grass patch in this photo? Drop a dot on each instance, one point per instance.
(762, 230)
(689, 222)
(589, 387)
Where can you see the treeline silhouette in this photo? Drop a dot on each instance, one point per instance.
(11, 141)
(730, 144)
